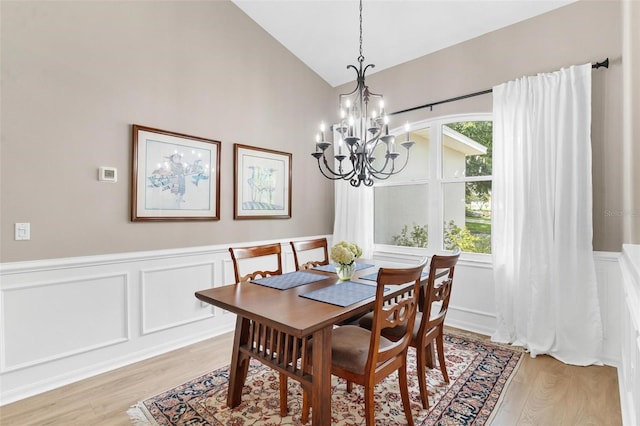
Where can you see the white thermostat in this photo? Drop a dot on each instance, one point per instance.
(108, 174)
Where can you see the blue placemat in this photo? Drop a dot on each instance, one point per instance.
(343, 294)
(289, 280)
(332, 268)
(374, 276)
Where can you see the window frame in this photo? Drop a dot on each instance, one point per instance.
(435, 183)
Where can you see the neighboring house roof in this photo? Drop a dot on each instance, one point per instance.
(459, 142)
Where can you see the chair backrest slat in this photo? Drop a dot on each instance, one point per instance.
(238, 253)
(319, 244)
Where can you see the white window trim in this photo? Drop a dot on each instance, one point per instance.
(435, 183)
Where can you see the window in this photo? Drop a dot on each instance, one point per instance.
(443, 198)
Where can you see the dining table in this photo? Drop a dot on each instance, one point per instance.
(277, 316)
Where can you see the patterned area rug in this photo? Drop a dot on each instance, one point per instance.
(479, 373)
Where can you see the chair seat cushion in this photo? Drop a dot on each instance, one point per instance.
(350, 347)
(394, 333)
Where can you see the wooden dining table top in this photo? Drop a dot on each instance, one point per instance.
(286, 310)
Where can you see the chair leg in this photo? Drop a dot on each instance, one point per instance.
(441, 361)
(369, 406)
(284, 409)
(421, 363)
(404, 393)
(349, 386)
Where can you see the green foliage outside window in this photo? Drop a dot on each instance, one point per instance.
(417, 237)
(454, 236)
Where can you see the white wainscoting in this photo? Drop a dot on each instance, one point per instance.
(63, 320)
(629, 370)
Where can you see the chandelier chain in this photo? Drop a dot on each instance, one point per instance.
(361, 58)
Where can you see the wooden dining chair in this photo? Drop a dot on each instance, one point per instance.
(365, 357)
(318, 246)
(240, 253)
(246, 253)
(429, 323)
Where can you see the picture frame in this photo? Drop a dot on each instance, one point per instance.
(262, 183)
(174, 176)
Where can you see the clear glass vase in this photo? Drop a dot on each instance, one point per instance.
(345, 272)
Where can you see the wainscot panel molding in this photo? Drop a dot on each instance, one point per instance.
(611, 304)
(162, 303)
(30, 339)
(64, 320)
(629, 370)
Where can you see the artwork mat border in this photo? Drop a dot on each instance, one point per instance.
(242, 214)
(138, 186)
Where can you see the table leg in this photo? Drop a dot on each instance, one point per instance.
(321, 385)
(239, 363)
(430, 355)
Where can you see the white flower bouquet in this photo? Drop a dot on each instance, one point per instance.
(345, 253)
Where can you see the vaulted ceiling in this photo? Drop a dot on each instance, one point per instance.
(324, 34)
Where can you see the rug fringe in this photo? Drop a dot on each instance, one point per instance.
(140, 416)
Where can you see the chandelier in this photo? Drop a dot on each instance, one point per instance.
(363, 134)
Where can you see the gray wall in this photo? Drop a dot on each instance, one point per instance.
(631, 45)
(586, 31)
(76, 75)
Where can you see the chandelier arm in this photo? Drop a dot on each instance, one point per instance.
(381, 174)
(385, 177)
(340, 174)
(406, 161)
(357, 80)
(368, 181)
(393, 171)
(364, 71)
(381, 169)
(336, 176)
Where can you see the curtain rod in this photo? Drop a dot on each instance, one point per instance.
(603, 64)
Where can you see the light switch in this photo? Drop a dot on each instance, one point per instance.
(23, 231)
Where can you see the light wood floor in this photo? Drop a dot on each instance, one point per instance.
(543, 392)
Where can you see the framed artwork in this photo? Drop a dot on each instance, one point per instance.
(174, 177)
(262, 183)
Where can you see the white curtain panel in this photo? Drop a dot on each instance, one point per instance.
(353, 220)
(544, 272)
